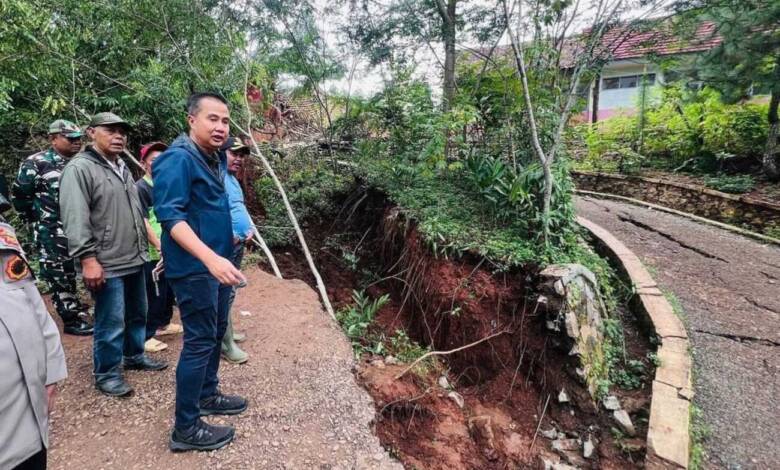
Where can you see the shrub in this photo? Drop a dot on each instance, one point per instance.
(357, 318)
(735, 184)
(685, 125)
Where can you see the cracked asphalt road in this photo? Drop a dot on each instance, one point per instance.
(729, 289)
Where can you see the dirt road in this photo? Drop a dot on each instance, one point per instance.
(306, 411)
(729, 289)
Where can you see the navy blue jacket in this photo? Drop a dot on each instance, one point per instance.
(189, 186)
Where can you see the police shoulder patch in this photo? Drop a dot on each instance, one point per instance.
(15, 268)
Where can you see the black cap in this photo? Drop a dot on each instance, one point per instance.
(234, 144)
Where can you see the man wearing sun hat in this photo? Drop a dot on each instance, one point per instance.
(104, 223)
(35, 197)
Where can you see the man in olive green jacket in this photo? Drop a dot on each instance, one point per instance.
(103, 221)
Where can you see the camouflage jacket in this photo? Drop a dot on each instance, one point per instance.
(36, 190)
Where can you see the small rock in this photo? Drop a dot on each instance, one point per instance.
(559, 288)
(444, 383)
(550, 433)
(391, 360)
(378, 456)
(556, 466)
(561, 445)
(611, 403)
(588, 448)
(245, 313)
(378, 363)
(563, 397)
(624, 421)
(457, 398)
(575, 350)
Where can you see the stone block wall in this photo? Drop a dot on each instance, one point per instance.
(742, 211)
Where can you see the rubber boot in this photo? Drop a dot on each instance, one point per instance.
(230, 350)
(239, 337)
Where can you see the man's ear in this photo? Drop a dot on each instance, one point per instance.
(91, 133)
(190, 119)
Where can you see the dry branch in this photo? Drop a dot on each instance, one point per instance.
(444, 353)
(258, 239)
(547, 402)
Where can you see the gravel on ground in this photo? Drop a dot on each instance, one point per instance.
(728, 288)
(305, 408)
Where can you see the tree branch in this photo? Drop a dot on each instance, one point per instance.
(444, 353)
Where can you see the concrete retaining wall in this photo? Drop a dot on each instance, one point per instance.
(742, 211)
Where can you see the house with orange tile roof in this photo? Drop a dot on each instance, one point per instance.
(632, 61)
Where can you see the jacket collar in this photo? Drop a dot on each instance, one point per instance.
(91, 154)
(212, 163)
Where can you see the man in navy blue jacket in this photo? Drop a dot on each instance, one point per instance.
(192, 205)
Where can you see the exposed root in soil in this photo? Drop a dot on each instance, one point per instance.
(632, 221)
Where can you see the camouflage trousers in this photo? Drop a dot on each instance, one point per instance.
(59, 272)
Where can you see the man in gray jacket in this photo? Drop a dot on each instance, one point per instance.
(31, 358)
(103, 221)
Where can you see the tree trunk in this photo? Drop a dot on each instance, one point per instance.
(770, 164)
(449, 55)
(447, 13)
(548, 184)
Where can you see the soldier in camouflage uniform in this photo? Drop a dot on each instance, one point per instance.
(36, 199)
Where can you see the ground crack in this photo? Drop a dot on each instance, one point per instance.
(769, 276)
(741, 338)
(756, 304)
(669, 237)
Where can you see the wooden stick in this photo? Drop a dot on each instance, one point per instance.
(538, 426)
(444, 353)
(291, 214)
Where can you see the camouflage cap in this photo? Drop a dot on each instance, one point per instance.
(108, 119)
(234, 144)
(66, 128)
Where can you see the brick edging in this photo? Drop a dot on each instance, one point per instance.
(668, 439)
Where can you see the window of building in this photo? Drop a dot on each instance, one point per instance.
(628, 81)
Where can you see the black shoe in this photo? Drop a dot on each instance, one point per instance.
(78, 328)
(114, 387)
(221, 404)
(201, 436)
(145, 363)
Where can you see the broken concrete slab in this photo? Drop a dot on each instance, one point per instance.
(667, 437)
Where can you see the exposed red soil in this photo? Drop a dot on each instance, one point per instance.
(505, 382)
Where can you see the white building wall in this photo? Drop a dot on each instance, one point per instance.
(623, 100)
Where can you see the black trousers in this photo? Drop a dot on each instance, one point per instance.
(160, 306)
(36, 462)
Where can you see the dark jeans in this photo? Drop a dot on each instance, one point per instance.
(160, 306)
(235, 258)
(120, 324)
(203, 306)
(36, 462)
